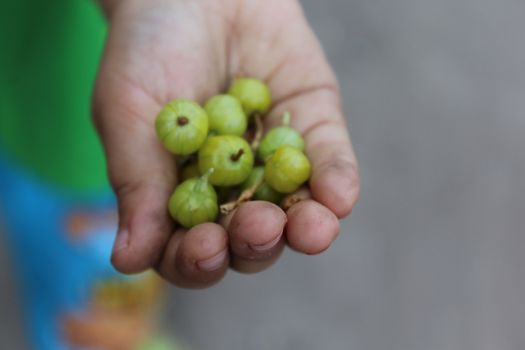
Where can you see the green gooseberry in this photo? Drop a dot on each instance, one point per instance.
(287, 169)
(194, 202)
(279, 136)
(254, 95)
(189, 171)
(264, 192)
(230, 156)
(226, 116)
(182, 126)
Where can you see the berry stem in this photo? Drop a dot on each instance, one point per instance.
(245, 195)
(203, 180)
(237, 156)
(286, 118)
(182, 120)
(207, 174)
(301, 194)
(259, 128)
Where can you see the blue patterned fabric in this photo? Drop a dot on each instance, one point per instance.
(59, 246)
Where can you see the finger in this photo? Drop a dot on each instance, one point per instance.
(311, 227)
(303, 84)
(129, 93)
(196, 258)
(316, 112)
(140, 171)
(318, 117)
(143, 176)
(256, 235)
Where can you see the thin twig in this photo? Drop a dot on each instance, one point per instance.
(245, 195)
(259, 129)
(301, 194)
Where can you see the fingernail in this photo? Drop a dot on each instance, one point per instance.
(121, 241)
(212, 263)
(266, 246)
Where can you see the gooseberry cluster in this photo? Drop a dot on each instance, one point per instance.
(223, 157)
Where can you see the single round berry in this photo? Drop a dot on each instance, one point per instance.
(231, 158)
(287, 169)
(280, 136)
(226, 116)
(189, 171)
(254, 95)
(182, 126)
(263, 192)
(277, 137)
(194, 202)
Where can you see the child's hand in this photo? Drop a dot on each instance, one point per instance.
(158, 50)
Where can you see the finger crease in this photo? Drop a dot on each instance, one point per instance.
(329, 87)
(276, 70)
(320, 123)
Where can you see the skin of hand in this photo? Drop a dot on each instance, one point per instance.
(159, 50)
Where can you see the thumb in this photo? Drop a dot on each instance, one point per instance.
(142, 69)
(140, 171)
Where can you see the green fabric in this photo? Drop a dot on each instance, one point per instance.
(49, 53)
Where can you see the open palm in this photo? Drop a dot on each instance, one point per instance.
(159, 50)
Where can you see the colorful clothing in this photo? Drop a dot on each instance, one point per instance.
(57, 208)
(49, 53)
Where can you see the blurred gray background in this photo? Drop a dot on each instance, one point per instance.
(433, 255)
